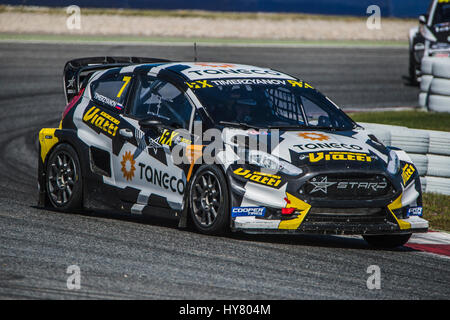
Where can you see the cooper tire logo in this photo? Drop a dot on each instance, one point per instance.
(313, 136)
(128, 161)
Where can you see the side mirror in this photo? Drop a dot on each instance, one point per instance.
(423, 19)
(150, 123)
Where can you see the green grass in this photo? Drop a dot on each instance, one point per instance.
(411, 119)
(210, 41)
(437, 211)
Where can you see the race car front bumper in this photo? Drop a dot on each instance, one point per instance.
(258, 208)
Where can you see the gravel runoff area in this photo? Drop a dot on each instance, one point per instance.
(259, 26)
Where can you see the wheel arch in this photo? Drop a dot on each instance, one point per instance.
(185, 216)
(56, 137)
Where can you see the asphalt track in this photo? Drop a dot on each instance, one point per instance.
(129, 257)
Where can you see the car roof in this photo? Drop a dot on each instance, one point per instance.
(193, 71)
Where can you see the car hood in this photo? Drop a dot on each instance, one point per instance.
(314, 147)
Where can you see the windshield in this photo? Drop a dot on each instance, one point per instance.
(269, 103)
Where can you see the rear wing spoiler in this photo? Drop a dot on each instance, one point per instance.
(78, 70)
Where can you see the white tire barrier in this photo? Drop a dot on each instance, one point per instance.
(415, 141)
(438, 166)
(441, 68)
(425, 82)
(437, 185)
(439, 103)
(439, 143)
(429, 150)
(423, 100)
(435, 84)
(439, 86)
(423, 183)
(427, 65)
(421, 162)
(380, 131)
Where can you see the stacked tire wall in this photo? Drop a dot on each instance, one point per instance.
(429, 150)
(435, 84)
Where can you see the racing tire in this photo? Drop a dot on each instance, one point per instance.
(209, 201)
(63, 179)
(387, 241)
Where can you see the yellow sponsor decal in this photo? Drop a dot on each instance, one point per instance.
(300, 84)
(259, 177)
(167, 137)
(199, 84)
(126, 81)
(101, 120)
(336, 156)
(407, 171)
(301, 206)
(47, 140)
(397, 204)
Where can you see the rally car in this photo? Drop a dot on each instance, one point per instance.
(431, 37)
(223, 146)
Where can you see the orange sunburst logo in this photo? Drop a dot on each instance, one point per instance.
(223, 65)
(313, 136)
(128, 167)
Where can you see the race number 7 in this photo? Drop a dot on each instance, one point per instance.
(126, 80)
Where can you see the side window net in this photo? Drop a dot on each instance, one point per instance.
(284, 104)
(163, 100)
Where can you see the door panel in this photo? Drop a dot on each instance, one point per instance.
(145, 161)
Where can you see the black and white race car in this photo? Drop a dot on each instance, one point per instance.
(226, 146)
(431, 37)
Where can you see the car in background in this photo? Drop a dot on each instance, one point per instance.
(430, 38)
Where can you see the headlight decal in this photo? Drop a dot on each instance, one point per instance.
(393, 165)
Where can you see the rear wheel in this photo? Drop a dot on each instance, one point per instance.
(388, 241)
(63, 178)
(209, 200)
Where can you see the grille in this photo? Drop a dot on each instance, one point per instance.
(347, 187)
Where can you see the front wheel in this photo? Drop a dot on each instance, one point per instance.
(387, 241)
(209, 200)
(63, 178)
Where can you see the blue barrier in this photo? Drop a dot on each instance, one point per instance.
(389, 8)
